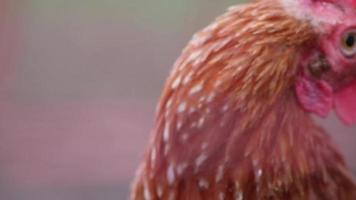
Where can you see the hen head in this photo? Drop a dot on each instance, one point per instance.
(327, 74)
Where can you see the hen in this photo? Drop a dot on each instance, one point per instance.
(234, 120)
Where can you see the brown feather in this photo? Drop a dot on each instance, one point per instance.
(228, 125)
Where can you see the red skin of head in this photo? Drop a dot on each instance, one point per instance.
(321, 96)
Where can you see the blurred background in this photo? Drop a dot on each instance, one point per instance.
(79, 83)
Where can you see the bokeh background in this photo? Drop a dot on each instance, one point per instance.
(78, 92)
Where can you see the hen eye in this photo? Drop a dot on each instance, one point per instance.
(348, 43)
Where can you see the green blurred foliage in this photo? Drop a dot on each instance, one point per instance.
(172, 13)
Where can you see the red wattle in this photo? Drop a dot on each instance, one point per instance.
(314, 96)
(345, 103)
